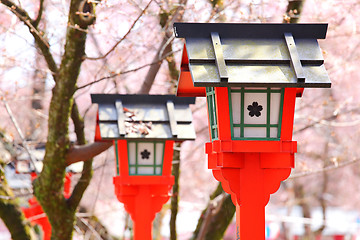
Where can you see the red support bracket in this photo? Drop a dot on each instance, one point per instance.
(143, 201)
(250, 178)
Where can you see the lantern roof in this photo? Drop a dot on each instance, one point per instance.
(145, 117)
(250, 55)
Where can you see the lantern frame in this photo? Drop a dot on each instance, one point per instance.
(219, 57)
(169, 118)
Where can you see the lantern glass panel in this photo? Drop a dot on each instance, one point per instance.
(259, 132)
(255, 108)
(211, 102)
(256, 113)
(236, 107)
(275, 103)
(145, 171)
(145, 154)
(145, 158)
(159, 157)
(132, 153)
(274, 132)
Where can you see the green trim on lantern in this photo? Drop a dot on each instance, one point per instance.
(242, 112)
(256, 90)
(268, 95)
(117, 157)
(268, 125)
(211, 102)
(231, 113)
(154, 165)
(136, 158)
(257, 139)
(256, 125)
(281, 111)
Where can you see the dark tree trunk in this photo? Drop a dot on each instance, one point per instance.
(293, 11)
(175, 191)
(214, 221)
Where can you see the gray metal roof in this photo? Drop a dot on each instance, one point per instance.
(149, 117)
(241, 55)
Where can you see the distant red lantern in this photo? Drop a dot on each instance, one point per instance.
(250, 75)
(143, 129)
(34, 212)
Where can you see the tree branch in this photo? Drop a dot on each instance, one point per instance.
(86, 152)
(124, 72)
(128, 32)
(164, 49)
(21, 135)
(36, 22)
(82, 153)
(326, 169)
(86, 175)
(39, 40)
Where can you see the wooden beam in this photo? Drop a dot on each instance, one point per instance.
(294, 57)
(121, 118)
(219, 57)
(171, 112)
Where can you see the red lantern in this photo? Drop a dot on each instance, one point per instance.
(143, 129)
(250, 75)
(34, 212)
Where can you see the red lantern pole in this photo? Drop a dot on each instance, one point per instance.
(143, 196)
(251, 170)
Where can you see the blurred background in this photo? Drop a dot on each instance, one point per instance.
(131, 49)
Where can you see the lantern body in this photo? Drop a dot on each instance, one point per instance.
(228, 153)
(251, 75)
(145, 158)
(143, 129)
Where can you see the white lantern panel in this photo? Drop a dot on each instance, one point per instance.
(159, 153)
(273, 132)
(254, 132)
(145, 171)
(236, 132)
(255, 108)
(132, 153)
(132, 171)
(145, 153)
(236, 107)
(275, 100)
(158, 171)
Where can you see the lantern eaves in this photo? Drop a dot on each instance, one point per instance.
(252, 55)
(144, 117)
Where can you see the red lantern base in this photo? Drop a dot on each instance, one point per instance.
(143, 197)
(250, 178)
